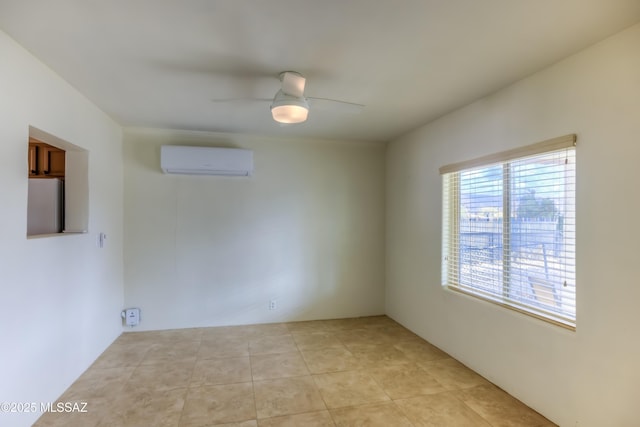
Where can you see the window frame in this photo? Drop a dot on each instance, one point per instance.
(451, 226)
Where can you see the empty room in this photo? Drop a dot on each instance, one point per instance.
(319, 213)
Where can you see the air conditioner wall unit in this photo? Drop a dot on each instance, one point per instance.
(178, 159)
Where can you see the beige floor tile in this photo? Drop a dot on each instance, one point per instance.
(220, 332)
(162, 376)
(452, 374)
(246, 331)
(365, 346)
(388, 328)
(357, 338)
(272, 344)
(316, 341)
(61, 419)
(280, 365)
(394, 334)
(377, 321)
(362, 322)
(166, 336)
(309, 326)
(93, 412)
(91, 376)
(418, 350)
(438, 410)
(101, 408)
(222, 347)
(349, 388)
(165, 352)
(341, 324)
(309, 419)
(287, 396)
(379, 414)
(268, 329)
(500, 409)
(97, 383)
(378, 355)
(248, 423)
(221, 371)
(210, 405)
(187, 334)
(140, 338)
(137, 407)
(407, 380)
(120, 355)
(358, 365)
(330, 360)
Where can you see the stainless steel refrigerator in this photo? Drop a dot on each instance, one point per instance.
(45, 206)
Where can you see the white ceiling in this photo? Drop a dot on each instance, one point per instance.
(159, 63)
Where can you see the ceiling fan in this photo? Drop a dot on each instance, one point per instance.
(290, 105)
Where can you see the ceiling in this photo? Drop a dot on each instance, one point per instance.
(160, 63)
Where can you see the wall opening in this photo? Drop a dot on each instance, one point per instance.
(58, 198)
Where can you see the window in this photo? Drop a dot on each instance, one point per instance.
(509, 229)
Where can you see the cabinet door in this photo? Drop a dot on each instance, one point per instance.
(46, 160)
(33, 160)
(54, 162)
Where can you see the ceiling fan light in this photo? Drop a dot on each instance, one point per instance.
(289, 109)
(289, 113)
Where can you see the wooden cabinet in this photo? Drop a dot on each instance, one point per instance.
(33, 159)
(45, 160)
(53, 161)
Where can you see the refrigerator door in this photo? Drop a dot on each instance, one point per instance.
(44, 206)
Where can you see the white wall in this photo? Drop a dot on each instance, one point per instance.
(588, 377)
(61, 296)
(307, 229)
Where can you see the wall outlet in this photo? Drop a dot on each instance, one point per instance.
(272, 304)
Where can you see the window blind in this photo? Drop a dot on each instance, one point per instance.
(509, 229)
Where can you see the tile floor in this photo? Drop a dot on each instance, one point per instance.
(365, 371)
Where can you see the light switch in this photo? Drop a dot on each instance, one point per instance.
(101, 240)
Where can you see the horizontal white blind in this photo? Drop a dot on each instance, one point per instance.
(509, 233)
(549, 145)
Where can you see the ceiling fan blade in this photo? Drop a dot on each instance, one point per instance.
(293, 83)
(239, 100)
(335, 105)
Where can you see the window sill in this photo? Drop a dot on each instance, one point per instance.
(64, 233)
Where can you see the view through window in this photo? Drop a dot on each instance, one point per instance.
(509, 233)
